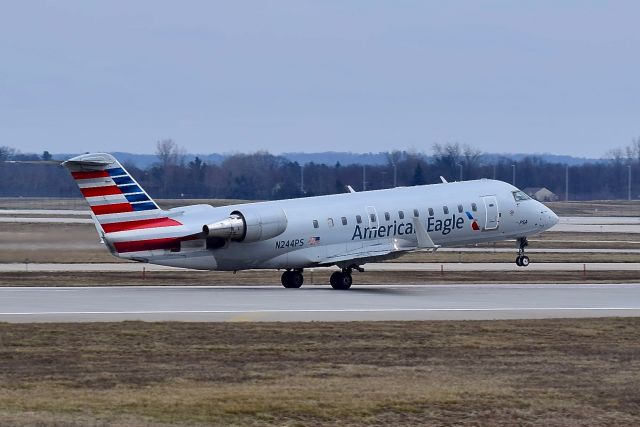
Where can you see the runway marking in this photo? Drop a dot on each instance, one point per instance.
(355, 310)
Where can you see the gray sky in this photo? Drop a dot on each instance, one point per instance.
(504, 76)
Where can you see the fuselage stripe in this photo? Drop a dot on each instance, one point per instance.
(139, 224)
(151, 244)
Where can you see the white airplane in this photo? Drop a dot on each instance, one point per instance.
(345, 230)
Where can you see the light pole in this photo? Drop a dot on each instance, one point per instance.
(364, 178)
(629, 182)
(513, 181)
(566, 183)
(395, 175)
(302, 178)
(460, 164)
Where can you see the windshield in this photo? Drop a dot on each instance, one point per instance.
(520, 196)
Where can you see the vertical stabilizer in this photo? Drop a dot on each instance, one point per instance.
(118, 203)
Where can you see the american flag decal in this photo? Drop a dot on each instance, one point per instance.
(314, 241)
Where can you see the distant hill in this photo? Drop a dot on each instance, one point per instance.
(332, 157)
(143, 161)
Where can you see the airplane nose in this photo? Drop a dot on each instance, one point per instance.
(552, 218)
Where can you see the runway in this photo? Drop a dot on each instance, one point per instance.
(319, 303)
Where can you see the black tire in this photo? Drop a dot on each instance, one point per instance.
(285, 278)
(341, 280)
(334, 280)
(296, 279)
(292, 279)
(519, 261)
(346, 281)
(524, 262)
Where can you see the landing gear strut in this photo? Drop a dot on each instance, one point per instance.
(522, 260)
(292, 278)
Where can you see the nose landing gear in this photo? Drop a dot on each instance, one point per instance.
(522, 260)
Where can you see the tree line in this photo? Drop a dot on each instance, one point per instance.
(264, 176)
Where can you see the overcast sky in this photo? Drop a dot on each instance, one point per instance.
(504, 76)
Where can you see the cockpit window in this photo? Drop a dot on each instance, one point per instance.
(520, 196)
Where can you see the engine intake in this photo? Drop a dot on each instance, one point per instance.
(249, 225)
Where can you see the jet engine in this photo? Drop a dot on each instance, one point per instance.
(248, 225)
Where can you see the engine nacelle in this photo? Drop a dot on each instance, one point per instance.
(249, 225)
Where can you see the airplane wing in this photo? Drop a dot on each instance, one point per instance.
(385, 249)
(371, 251)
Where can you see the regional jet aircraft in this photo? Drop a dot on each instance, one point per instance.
(344, 230)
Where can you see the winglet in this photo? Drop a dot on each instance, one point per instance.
(424, 241)
(350, 188)
(444, 181)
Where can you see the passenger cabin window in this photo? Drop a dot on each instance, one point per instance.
(344, 220)
(401, 214)
(430, 211)
(416, 213)
(519, 196)
(445, 209)
(459, 208)
(330, 222)
(474, 207)
(358, 219)
(372, 217)
(387, 216)
(315, 223)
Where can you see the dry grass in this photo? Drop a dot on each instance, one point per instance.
(312, 278)
(545, 372)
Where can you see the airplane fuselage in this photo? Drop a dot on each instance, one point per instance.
(341, 228)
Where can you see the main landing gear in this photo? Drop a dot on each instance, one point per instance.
(339, 280)
(522, 260)
(342, 279)
(292, 278)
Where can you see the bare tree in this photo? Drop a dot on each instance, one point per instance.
(171, 158)
(169, 153)
(451, 156)
(6, 152)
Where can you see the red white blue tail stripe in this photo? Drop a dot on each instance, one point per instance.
(113, 191)
(128, 218)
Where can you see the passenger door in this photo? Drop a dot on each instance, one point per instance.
(492, 213)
